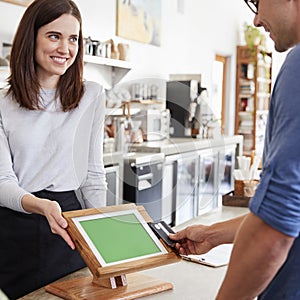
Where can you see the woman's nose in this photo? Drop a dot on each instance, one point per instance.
(63, 46)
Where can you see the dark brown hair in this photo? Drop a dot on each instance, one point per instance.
(23, 81)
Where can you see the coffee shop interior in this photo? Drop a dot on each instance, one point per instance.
(186, 103)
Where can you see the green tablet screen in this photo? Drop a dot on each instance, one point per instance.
(119, 236)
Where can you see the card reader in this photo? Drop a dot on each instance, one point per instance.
(162, 230)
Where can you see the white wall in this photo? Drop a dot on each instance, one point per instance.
(189, 40)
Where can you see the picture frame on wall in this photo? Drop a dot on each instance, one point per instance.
(18, 2)
(139, 20)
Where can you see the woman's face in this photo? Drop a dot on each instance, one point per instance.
(56, 49)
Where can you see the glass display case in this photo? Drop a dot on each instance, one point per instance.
(207, 191)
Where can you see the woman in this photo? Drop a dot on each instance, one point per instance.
(51, 134)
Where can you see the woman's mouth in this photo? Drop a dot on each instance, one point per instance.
(60, 60)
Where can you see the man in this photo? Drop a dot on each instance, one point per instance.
(265, 260)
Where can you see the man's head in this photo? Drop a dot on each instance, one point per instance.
(280, 18)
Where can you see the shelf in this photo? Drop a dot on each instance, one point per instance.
(263, 95)
(122, 64)
(117, 69)
(146, 101)
(264, 80)
(253, 86)
(264, 64)
(246, 95)
(118, 112)
(262, 112)
(110, 71)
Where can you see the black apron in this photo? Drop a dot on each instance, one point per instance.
(31, 256)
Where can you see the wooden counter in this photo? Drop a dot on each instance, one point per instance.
(190, 280)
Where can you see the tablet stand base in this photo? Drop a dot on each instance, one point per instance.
(138, 285)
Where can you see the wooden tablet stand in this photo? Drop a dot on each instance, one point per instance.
(119, 281)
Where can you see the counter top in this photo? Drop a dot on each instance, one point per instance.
(169, 147)
(142, 158)
(179, 145)
(190, 280)
(112, 158)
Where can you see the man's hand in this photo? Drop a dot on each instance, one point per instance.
(199, 239)
(193, 240)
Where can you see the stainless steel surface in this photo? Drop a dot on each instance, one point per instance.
(170, 152)
(186, 175)
(143, 182)
(113, 185)
(113, 162)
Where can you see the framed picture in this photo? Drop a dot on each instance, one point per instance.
(139, 20)
(18, 2)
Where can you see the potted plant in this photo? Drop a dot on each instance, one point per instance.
(253, 36)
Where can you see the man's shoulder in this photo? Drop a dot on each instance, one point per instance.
(293, 55)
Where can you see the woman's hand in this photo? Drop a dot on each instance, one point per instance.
(52, 211)
(57, 223)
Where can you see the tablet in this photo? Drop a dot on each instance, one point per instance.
(119, 236)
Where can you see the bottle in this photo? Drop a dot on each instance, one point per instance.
(119, 134)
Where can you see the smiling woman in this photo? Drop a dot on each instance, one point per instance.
(51, 141)
(19, 2)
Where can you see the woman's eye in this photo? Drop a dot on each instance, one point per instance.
(74, 39)
(53, 37)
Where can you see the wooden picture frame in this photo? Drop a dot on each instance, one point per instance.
(18, 2)
(108, 279)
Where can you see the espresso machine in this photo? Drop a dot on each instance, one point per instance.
(184, 105)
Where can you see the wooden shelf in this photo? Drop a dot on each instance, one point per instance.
(253, 90)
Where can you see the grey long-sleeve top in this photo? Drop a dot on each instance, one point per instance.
(51, 149)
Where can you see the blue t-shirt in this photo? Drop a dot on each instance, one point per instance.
(277, 199)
